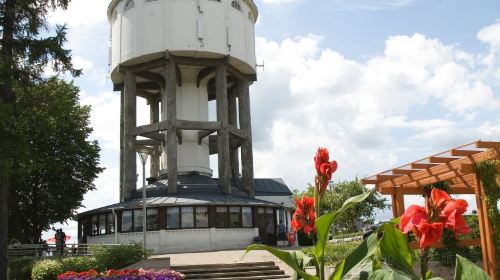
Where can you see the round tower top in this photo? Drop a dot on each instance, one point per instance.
(113, 3)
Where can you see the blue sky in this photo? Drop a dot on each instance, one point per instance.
(378, 82)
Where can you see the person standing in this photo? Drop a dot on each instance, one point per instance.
(282, 239)
(270, 233)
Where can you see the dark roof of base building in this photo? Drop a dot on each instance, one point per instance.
(194, 189)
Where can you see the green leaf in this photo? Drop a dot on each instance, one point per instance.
(395, 249)
(466, 269)
(384, 274)
(292, 259)
(324, 222)
(364, 251)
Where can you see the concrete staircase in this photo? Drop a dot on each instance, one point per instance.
(234, 271)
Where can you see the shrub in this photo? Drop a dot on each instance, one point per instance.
(47, 270)
(20, 268)
(337, 252)
(79, 264)
(119, 256)
(136, 274)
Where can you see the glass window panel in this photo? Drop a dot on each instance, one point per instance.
(221, 217)
(234, 217)
(102, 224)
(270, 216)
(187, 218)
(110, 227)
(95, 225)
(153, 221)
(138, 220)
(269, 211)
(246, 216)
(201, 217)
(127, 220)
(261, 218)
(172, 217)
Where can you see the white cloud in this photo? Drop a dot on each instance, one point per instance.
(279, 1)
(81, 13)
(372, 4)
(372, 114)
(491, 35)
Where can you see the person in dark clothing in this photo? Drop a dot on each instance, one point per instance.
(270, 234)
(282, 238)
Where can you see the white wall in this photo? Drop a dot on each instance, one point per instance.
(285, 200)
(211, 29)
(185, 240)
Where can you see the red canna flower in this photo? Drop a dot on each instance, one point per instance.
(324, 169)
(304, 217)
(428, 223)
(429, 233)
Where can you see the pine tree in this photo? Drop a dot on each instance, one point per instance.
(25, 50)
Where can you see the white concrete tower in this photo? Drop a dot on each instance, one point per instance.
(179, 55)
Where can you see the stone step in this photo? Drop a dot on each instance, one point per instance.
(216, 265)
(229, 269)
(234, 271)
(234, 274)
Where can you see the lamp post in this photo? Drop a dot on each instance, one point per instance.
(143, 155)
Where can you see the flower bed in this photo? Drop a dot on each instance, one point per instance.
(126, 274)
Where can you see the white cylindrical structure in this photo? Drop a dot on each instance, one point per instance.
(143, 30)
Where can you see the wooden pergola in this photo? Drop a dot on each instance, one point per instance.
(456, 166)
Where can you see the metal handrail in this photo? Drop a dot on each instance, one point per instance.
(51, 250)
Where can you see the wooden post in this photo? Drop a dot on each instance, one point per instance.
(246, 144)
(171, 107)
(486, 233)
(122, 138)
(154, 108)
(401, 202)
(233, 120)
(129, 143)
(394, 202)
(223, 133)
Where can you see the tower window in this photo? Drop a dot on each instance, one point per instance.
(128, 5)
(236, 5)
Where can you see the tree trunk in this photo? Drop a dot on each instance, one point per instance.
(7, 98)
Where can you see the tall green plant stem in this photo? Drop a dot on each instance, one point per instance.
(317, 211)
(424, 260)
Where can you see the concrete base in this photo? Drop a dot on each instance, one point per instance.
(185, 240)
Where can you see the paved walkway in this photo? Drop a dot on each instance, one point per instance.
(222, 257)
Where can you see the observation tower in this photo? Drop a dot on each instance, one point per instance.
(181, 55)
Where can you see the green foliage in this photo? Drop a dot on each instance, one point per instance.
(488, 174)
(466, 270)
(79, 264)
(364, 212)
(395, 250)
(304, 239)
(447, 256)
(353, 256)
(118, 257)
(20, 268)
(336, 252)
(323, 225)
(47, 270)
(347, 235)
(55, 164)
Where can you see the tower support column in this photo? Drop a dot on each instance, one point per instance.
(129, 141)
(169, 100)
(122, 137)
(233, 120)
(223, 133)
(246, 144)
(154, 107)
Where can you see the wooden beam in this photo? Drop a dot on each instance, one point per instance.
(464, 153)
(441, 159)
(417, 165)
(148, 142)
(488, 144)
(460, 243)
(369, 181)
(152, 76)
(204, 73)
(204, 133)
(404, 171)
(197, 125)
(384, 177)
(236, 132)
(150, 128)
(154, 136)
(414, 190)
